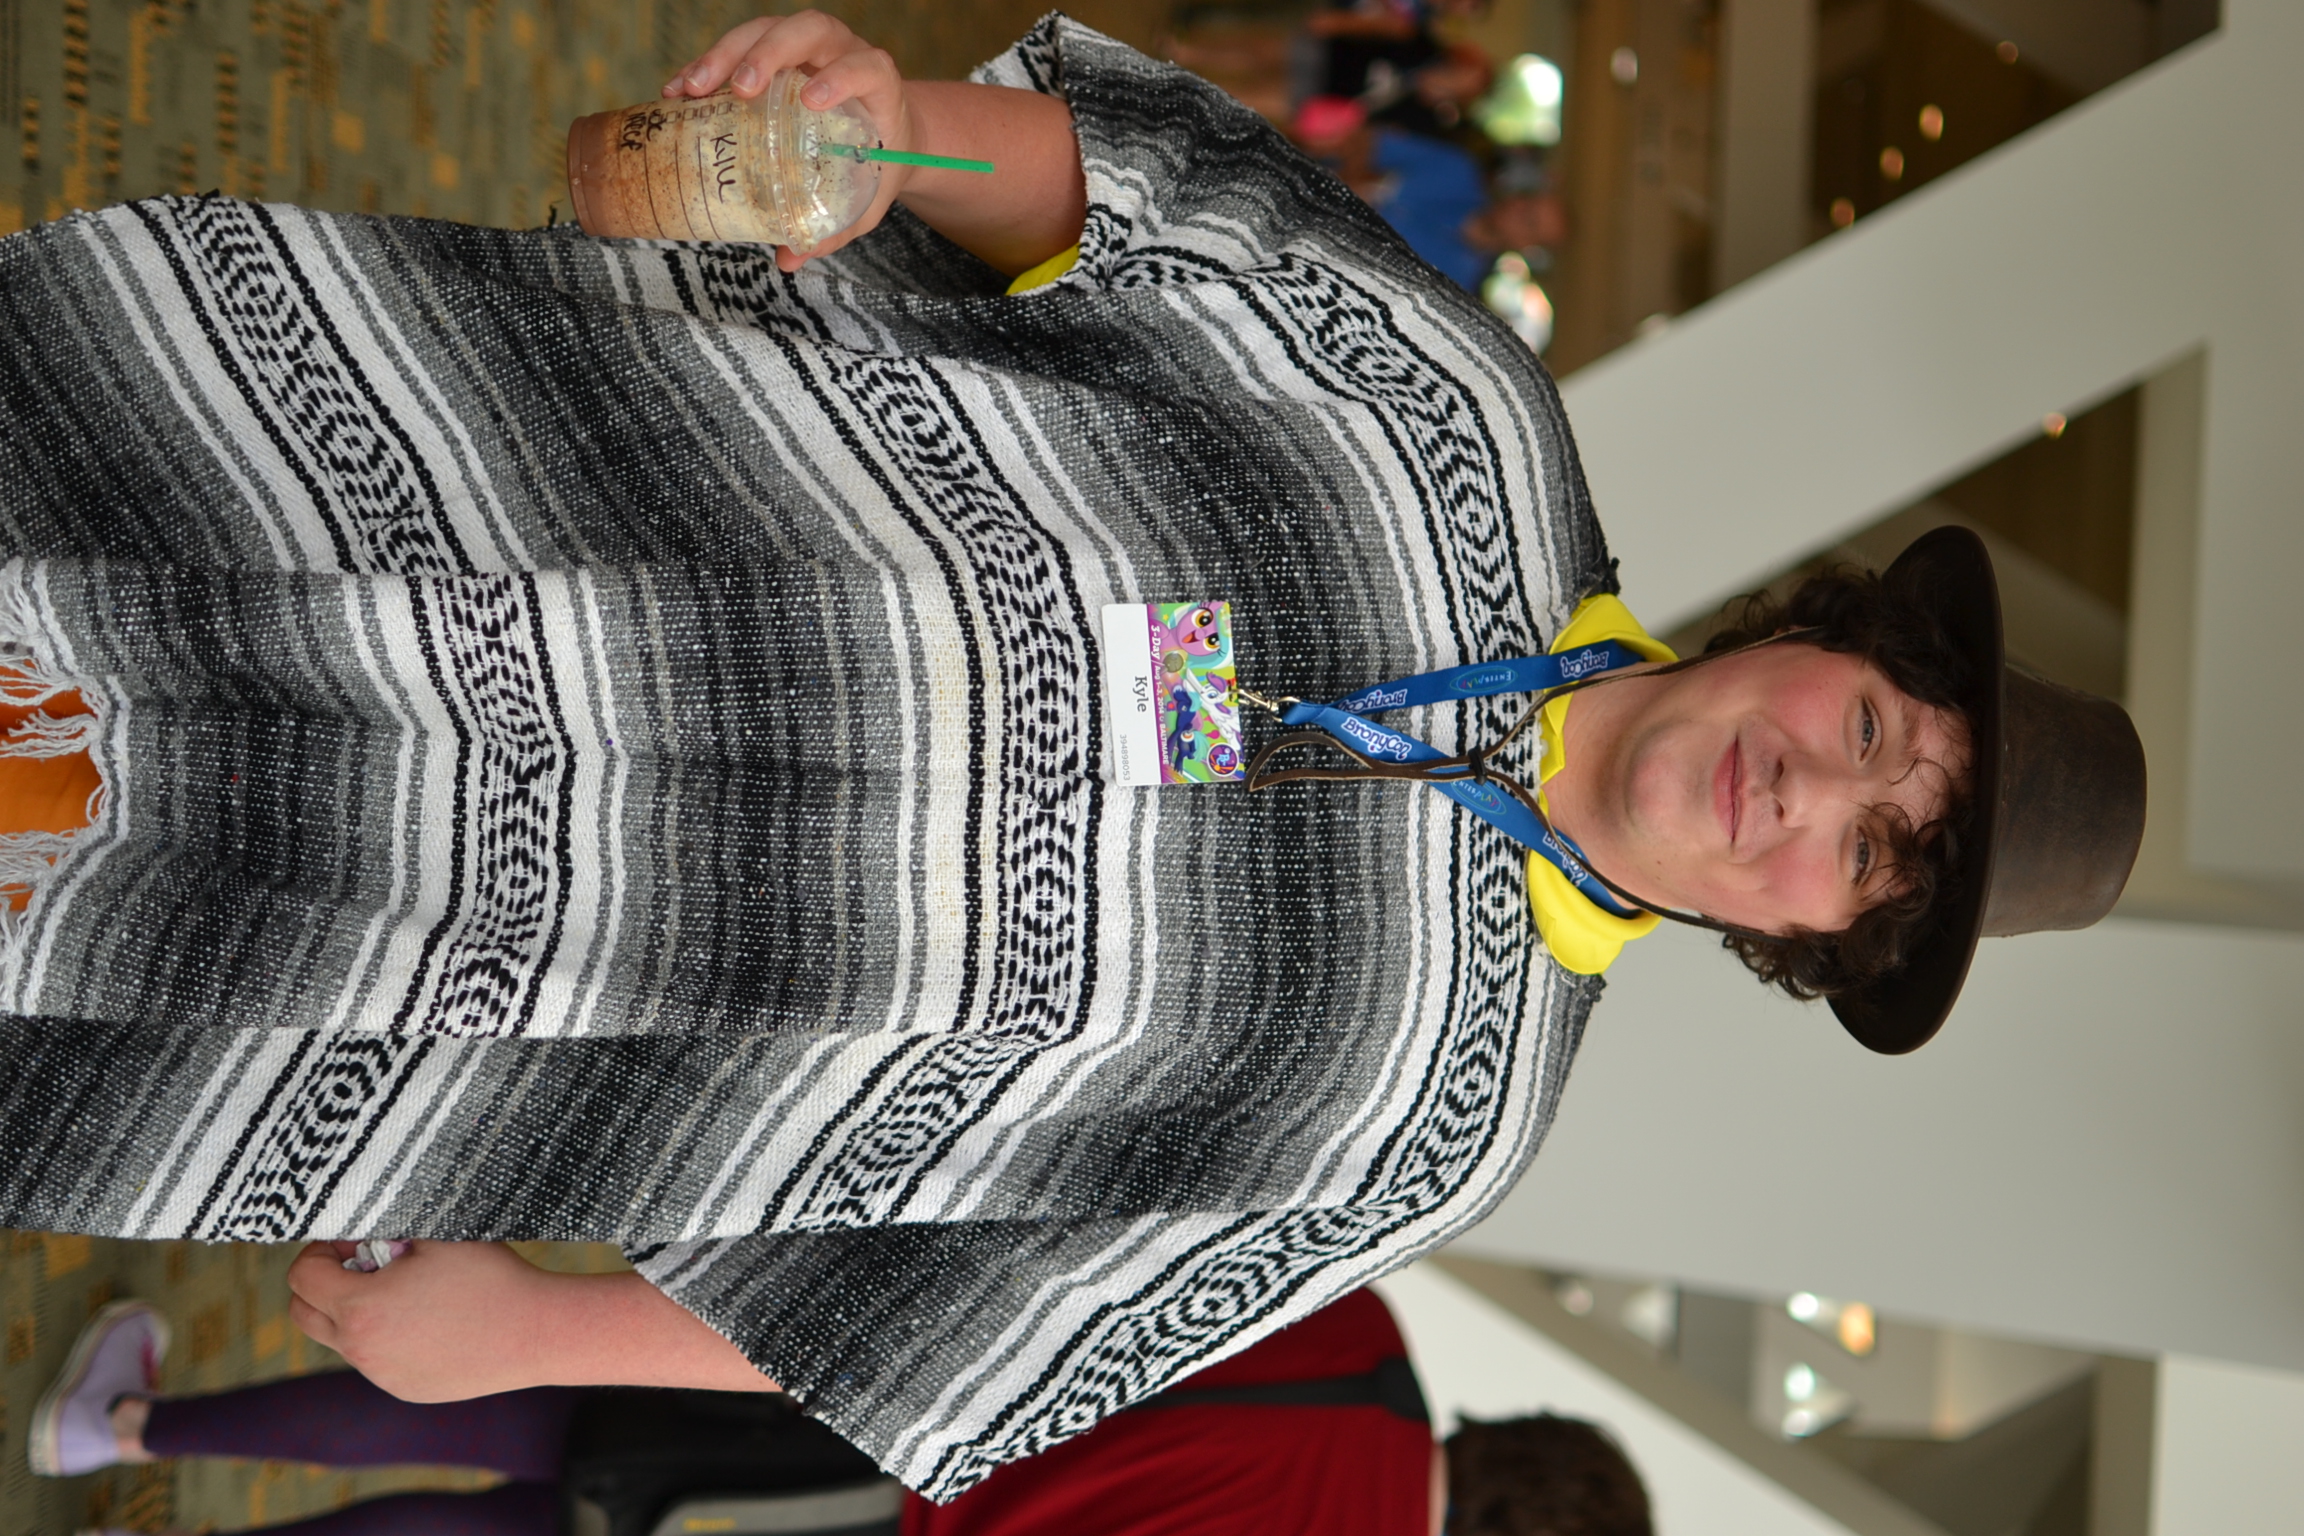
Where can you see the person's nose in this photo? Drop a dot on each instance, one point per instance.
(1811, 789)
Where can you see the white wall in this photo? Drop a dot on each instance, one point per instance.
(2105, 1147)
(2227, 1462)
(1476, 1358)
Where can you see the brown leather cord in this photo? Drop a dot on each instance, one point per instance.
(1476, 768)
(1435, 770)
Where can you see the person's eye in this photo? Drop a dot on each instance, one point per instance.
(1863, 857)
(1866, 730)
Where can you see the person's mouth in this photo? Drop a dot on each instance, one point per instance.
(1728, 791)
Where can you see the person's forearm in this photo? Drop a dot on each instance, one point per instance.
(618, 1330)
(1031, 207)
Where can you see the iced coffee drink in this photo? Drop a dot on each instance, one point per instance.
(722, 168)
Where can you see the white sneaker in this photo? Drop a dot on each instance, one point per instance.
(117, 1354)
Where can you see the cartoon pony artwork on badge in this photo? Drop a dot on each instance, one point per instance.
(1198, 691)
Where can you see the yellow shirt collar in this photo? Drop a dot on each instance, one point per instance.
(1582, 937)
(1047, 272)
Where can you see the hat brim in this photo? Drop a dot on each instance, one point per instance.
(1949, 571)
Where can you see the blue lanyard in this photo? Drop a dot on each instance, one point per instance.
(1520, 674)
(1344, 720)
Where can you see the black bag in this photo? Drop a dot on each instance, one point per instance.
(650, 1461)
(1392, 1386)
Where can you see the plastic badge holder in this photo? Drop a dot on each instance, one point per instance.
(768, 170)
(1173, 694)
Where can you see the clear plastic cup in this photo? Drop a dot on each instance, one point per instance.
(721, 168)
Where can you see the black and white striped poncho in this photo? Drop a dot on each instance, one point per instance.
(602, 740)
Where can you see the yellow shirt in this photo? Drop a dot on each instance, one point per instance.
(1583, 937)
(1047, 272)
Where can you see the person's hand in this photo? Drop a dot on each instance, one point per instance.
(1029, 209)
(841, 66)
(444, 1321)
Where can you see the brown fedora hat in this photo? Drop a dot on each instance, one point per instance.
(2058, 788)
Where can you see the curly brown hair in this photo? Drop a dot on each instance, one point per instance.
(1856, 612)
(1542, 1476)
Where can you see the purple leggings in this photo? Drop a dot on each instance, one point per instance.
(340, 1419)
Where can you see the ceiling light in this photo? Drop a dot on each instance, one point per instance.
(1524, 108)
(1812, 1403)
(1850, 1324)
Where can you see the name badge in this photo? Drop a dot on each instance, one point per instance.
(1173, 693)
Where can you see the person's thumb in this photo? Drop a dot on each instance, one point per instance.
(318, 1277)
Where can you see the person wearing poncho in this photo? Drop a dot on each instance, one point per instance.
(600, 740)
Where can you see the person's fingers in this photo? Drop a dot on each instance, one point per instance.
(863, 73)
(806, 40)
(306, 1257)
(746, 56)
(318, 1276)
(318, 1326)
(789, 260)
(708, 70)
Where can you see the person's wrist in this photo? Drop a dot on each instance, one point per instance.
(925, 128)
(578, 1327)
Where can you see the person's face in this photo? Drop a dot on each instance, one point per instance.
(1752, 788)
(1455, 82)
(1515, 223)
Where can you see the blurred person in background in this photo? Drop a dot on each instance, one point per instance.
(1319, 1428)
(1383, 54)
(1429, 189)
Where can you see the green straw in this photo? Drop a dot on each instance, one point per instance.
(906, 157)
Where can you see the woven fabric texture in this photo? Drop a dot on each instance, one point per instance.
(603, 741)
